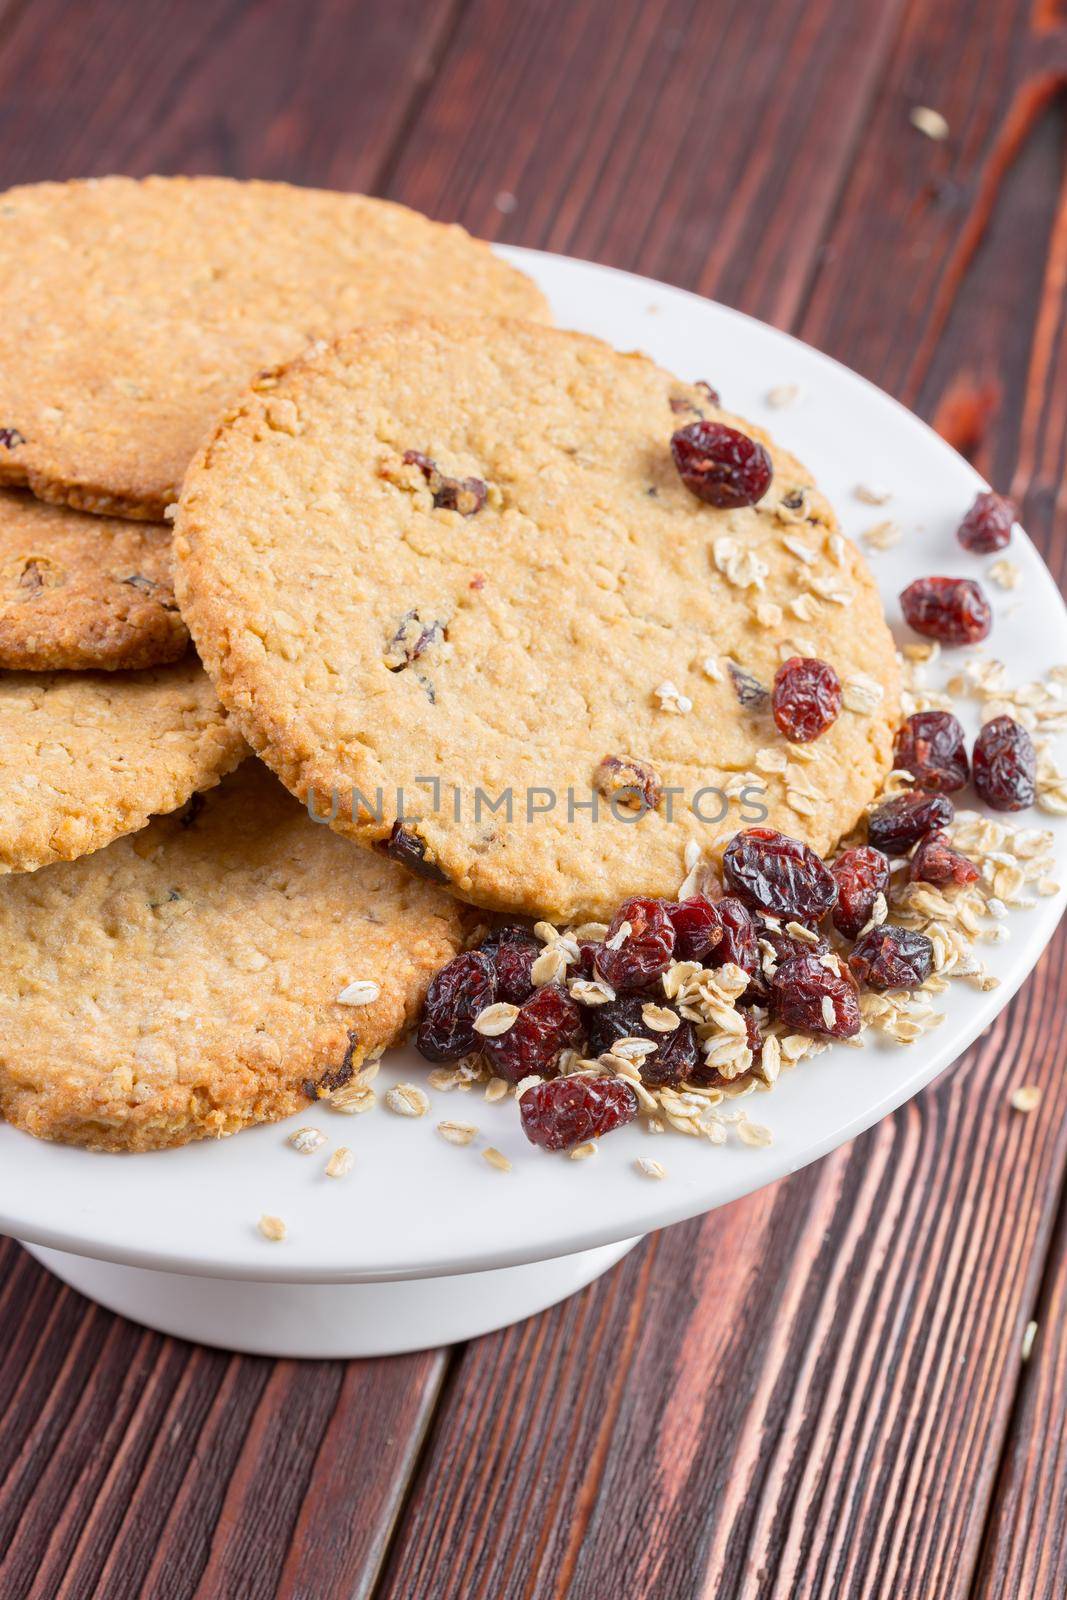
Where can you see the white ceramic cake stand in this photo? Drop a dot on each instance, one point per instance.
(424, 1243)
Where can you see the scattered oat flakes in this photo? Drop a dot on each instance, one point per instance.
(783, 394)
(496, 1019)
(883, 536)
(862, 694)
(754, 1134)
(457, 1132)
(582, 1152)
(1026, 1098)
(340, 1163)
(272, 1228)
(740, 566)
(1006, 574)
(363, 992)
(661, 1019)
(496, 1159)
(496, 1089)
(872, 494)
(648, 1168)
(307, 1140)
(768, 613)
(929, 122)
(407, 1100)
(1028, 1341)
(671, 698)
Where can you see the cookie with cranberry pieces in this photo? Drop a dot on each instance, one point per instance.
(474, 559)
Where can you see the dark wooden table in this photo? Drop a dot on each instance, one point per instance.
(821, 1389)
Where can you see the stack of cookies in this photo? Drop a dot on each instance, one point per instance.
(446, 582)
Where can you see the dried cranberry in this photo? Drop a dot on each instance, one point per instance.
(862, 875)
(806, 698)
(812, 997)
(987, 525)
(786, 945)
(901, 821)
(935, 861)
(720, 465)
(628, 781)
(739, 945)
(931, 746)
(753, 1036)
(675, 1055)
(465, 495)
(778, 875)
(1005, 765)
(455, 997)
(783, 946)
(644, 952)
(892, 958)
(749, 691)
(514, 951)
(409, 850)
(547, 1023)
(568, 1111)
(953, 610)
(697, 928)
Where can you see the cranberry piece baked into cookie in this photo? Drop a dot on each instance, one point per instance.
(376, 624)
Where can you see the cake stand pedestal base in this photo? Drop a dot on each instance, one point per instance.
(330, 1320)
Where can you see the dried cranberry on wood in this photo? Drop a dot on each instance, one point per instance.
(548, 1023)
(720, 465)
(901, 821)
(931, 746)
(458, 992)
(862, 875)
(675, 1055)
(1005, 765)
(892, 958)
(935, 861)
(812, 997)
(806, 698)
(953, 610)
(645, 951)
(568, 1111)
(778, 875)
(987, 525)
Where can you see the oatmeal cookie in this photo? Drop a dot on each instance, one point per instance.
(88, 756)
(134, 310)
(471, 572)
(79, 592)
(184, 982)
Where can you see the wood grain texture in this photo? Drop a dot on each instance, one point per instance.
(815, 1392)
(310, 93)
(131, 1464)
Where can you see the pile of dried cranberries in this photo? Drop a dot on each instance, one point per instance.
(778, 892)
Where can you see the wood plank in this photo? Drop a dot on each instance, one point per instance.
(679, 138)
(310, 93)
(1025, 1550)
(808, 1393)
(132, 1464)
